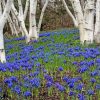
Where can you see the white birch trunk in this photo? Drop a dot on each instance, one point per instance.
(33, 28)
(97, 24)
(89, 21)
(70, 14)
(80, 18)
(20, 20)
(3, 19)
(26, 9)
(41, 16)
(11, 24)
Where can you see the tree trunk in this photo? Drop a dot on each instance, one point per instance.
(3, 19)
(33, 35)
(89, 21)
(97, 24)
(41, 16)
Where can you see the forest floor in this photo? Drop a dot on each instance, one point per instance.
(56, 67)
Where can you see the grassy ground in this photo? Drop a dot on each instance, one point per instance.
(56, 67)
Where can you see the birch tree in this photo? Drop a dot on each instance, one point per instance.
(3, 18)
(84, 13)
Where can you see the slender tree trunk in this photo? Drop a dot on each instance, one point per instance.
(80, 18)
(3, 19)
(97, 24)
(26, 9)
(41, 16)
(33, 28)
(70, 14)
(89, 21)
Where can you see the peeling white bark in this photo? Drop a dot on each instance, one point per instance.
(32, 28)
(3, 19)
(97, 24)
(26, 9)
(20, 20)
(89, 21)
(70, 14)
(41, 16)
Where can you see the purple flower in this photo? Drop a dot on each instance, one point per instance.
(66, 79)
(81, 97)
(92, 80)
(35, 82)
(71, 85)
(0, 89)
(49, 84)
(83, 69)
(90, 92)
(17, 89)
(48, 78)
(79, 86)
(27, 94)
(71, 93)
(59, 87)
(98, 86)
(10, 85)
(60, 68)
(94, 73)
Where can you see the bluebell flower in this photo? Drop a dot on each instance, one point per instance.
(49, 84)
(26, 79)
(27, 85)
(38, 64)
(7, 80)
(35, 73)
(90, 92)
(14, 78)
(81, 96)
(35, 82)
(27, 94)
(98, 86)
(92, 80)
(71, 85)
(48, 78)
(17, 90)
(94, 73)
(66, 79)
(83, 69)
(10, 85)
(71, 93)
(59, 87)
(75, 63)
(79, 86)
(98, 60)
(0, 89)
(60, 68)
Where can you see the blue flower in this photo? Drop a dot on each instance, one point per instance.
(81, 97)
(94, 73)
(17, 90)
(27, 94)
(35, 82)
(10, 85)
(98, 86)
(90, 92)
(60, 68)
(49, 84)
(66, 79)
(79, 86)
(92, 80)
(83, 69)
(59, 87)
(71, 85)
(48, 78)
(0, 89)
(71, 93)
